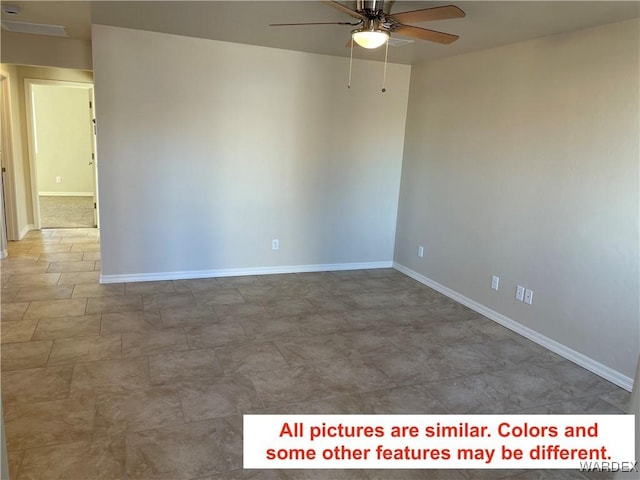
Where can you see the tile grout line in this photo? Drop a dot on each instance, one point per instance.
(49, 354)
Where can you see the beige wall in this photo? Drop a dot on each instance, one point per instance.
(63, 133)
(45, 51)
(22, 171)
(18, 167)
(522, 161)
(209, 150)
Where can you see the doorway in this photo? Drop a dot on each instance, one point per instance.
(62, 153)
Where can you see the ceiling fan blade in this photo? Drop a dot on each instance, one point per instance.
(344, 9)
(310, 23)
(425, 34)
(427, 14)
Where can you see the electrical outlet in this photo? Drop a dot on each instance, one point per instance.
(528, 296)
(275, 244)
(58, 179)
(421, 251)
(495, 282)
(520, 293)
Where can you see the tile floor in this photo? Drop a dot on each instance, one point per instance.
(150, 380)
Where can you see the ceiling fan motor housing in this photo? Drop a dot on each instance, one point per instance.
(371, 25)
(373, 7)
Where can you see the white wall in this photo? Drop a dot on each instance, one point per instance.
(4, 462)
(63, 134)
(522, 161)
(209, 150)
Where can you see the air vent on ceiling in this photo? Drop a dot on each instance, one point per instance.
(398, 42)
(34, 28)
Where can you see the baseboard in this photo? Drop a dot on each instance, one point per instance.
(26, 229)
(239, 272)
(65, 194)
(4, 253)
(578, 358)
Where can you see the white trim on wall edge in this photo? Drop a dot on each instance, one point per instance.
(239, 272)
(576, 357)
(65, 194)
(26, 229)
(4, 253)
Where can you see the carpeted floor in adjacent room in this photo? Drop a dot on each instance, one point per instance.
(66, 212)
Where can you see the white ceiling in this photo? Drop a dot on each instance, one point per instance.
(487, 24)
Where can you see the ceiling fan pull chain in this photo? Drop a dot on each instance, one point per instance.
(350, 64)
(384, 76)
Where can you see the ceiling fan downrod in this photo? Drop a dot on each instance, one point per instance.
(373, 7)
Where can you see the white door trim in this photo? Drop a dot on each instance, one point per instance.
(29, 83)
(94, 149)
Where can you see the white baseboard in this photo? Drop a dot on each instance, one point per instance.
(578, 358)
(4, 253)
(26, 229)
(65, 194)
(238, 272)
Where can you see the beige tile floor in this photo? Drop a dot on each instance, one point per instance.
(150, 380)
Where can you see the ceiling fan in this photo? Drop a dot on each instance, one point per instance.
(376, 22)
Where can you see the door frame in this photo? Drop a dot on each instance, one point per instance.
(94, 155)
(8, 177)
(29, 83)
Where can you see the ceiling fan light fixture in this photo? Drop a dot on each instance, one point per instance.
(370, 38)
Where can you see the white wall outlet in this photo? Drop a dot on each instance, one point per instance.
(421, 251)
(495, 282)
(275, 244)
(58, 179)
(528, 296)
(520, 293)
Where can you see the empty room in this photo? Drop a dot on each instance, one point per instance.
(312, 209)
